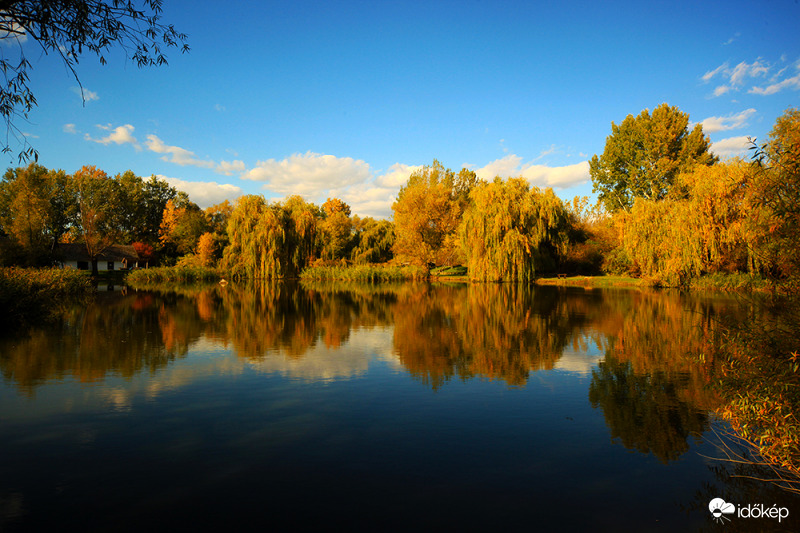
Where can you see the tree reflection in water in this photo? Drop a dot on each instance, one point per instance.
(650, 385)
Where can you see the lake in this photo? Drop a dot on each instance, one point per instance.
(329, 406)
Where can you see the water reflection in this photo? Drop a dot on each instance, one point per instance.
(640, 357)
(436, 333)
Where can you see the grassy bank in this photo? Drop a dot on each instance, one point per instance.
(594, 281)
(30, 295)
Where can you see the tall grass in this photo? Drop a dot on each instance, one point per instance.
(29, 295)
(371, 273)
(176, 274)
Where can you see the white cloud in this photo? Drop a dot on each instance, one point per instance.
(118, 135)
(397, 176)
(711, 73)
(69, 128)
(722, 89)
(310, 175)
(205, 193)
(538, 175)
(85, 94)
(15, 34)
(229, 167)
(745, 73)
(175, 154)
(507, 166)
(730, 122)
(743, 70)
(732, 39)
(730, 147)
(788, 83)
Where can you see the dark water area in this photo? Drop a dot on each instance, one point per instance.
(372, 408)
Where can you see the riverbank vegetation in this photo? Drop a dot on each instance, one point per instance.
(669, 213)
(28, 296)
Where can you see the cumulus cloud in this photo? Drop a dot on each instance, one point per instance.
(310, 175)
(538, 175)
(175, 154)
(230, 167)
(730, 147)
(69, 128)
(205, 193)
(397, 176)
(85, 94)
(118, 135)
(729, 122)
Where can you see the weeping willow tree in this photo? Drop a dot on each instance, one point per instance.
(714, 229)
(301, 222)
(510, 230)
(257, 238)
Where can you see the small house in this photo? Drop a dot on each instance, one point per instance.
(115, 257)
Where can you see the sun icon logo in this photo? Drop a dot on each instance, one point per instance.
(719, 508)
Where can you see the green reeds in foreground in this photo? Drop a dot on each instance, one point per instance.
(176, 274)
(28, 295)
(364, 273)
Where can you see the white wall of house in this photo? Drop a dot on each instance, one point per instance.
(102, 266)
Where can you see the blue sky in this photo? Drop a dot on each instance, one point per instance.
(345, 99)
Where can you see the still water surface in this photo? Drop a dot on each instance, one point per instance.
(369, 407)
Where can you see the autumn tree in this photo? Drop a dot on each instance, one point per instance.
(644, 155)
(427, 213)
(182, 224)
(777, 165)
(99, 214)
(372, 240)
(70, 29)
(336, 229)
(301, 221)
(257, 238)
(511, 230)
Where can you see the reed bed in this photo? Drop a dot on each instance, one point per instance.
(28, 295)
(369, 273)
(175, 274)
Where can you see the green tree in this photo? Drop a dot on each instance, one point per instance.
(644, 155)
(70, 29)
(37, 206)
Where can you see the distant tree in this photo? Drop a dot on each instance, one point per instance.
(71, 28)
(644, 155)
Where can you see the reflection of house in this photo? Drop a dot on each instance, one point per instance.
(115, 257)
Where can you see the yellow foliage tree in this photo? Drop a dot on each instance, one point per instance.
(510, 229)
